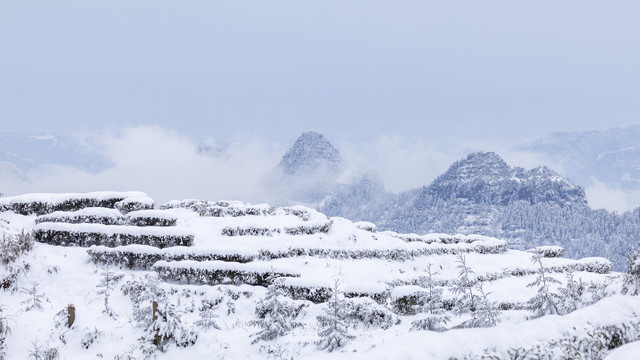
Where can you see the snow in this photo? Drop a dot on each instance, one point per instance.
(386, 264)
(58, 198)
(629, 351)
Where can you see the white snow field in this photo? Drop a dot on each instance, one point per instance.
(240, 281)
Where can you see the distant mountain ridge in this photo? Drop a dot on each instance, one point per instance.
(482, 194)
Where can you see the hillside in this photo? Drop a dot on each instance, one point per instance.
(234, 280)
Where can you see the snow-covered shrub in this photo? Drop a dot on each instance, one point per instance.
(38, 352)
(40, 204)
(142, 294)
(91, 215)
(108, 279)
(366, 226)
(369, 313)
(137, 203)
(168, 327)
(276, 315)
(548, 251)
(249, 231)
(220, 272)
(208, 314)
(301, 290)
(34, 298)
(408, 300)
(589, 344)
(143, 256)
(334, 332)
(96, 234)
(90, 338)
(12, 248)
(221, 208)
(151, 218)
(544, 302)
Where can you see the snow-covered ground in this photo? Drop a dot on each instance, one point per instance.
(222, 277)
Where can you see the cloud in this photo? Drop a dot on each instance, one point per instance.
(164, 164)
(601, 196)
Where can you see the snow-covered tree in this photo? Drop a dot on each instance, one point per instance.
(208, 315)
(108, 279)
(436, 318)
(464, 286)
(5, 330)
(34, 298)
(275, 316)
(334, 332)
(632, 277)
(571, 294)
(487, 313)
(544, 302)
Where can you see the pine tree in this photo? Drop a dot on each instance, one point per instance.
(464, 285)
(34, 300)
(334, 333)
(208, 315)
(433, 306)
(632, 277)
(105, 286)
(487, 314)
(276, 318)
(544, 302)
(571, 295)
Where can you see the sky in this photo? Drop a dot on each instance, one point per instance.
(451, 70)
(403, 87)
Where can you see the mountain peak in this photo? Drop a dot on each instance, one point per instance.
(485, 178)
(310, 152)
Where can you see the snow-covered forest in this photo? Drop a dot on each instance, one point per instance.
(114, 275)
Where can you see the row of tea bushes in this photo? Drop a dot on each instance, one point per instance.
(321, 228)
(595, 265)
(144, 257)
(221, 272)
(86, 235)
(106, 216)
(40, 204)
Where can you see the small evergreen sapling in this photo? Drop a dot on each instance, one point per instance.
(275, 316)
(334, 332)
(34, 298)
(208, 314)
(464, 285)
(571, 295)
(105, 286)
(488, 314)
(436, 318)
(632, 277)
(544, 302)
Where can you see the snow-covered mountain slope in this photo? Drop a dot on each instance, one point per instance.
(482, 194)
(611, 156)
(196, 279)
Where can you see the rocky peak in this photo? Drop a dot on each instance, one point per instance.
(309, 153)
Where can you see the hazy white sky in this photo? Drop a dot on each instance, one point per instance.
(445, 70)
